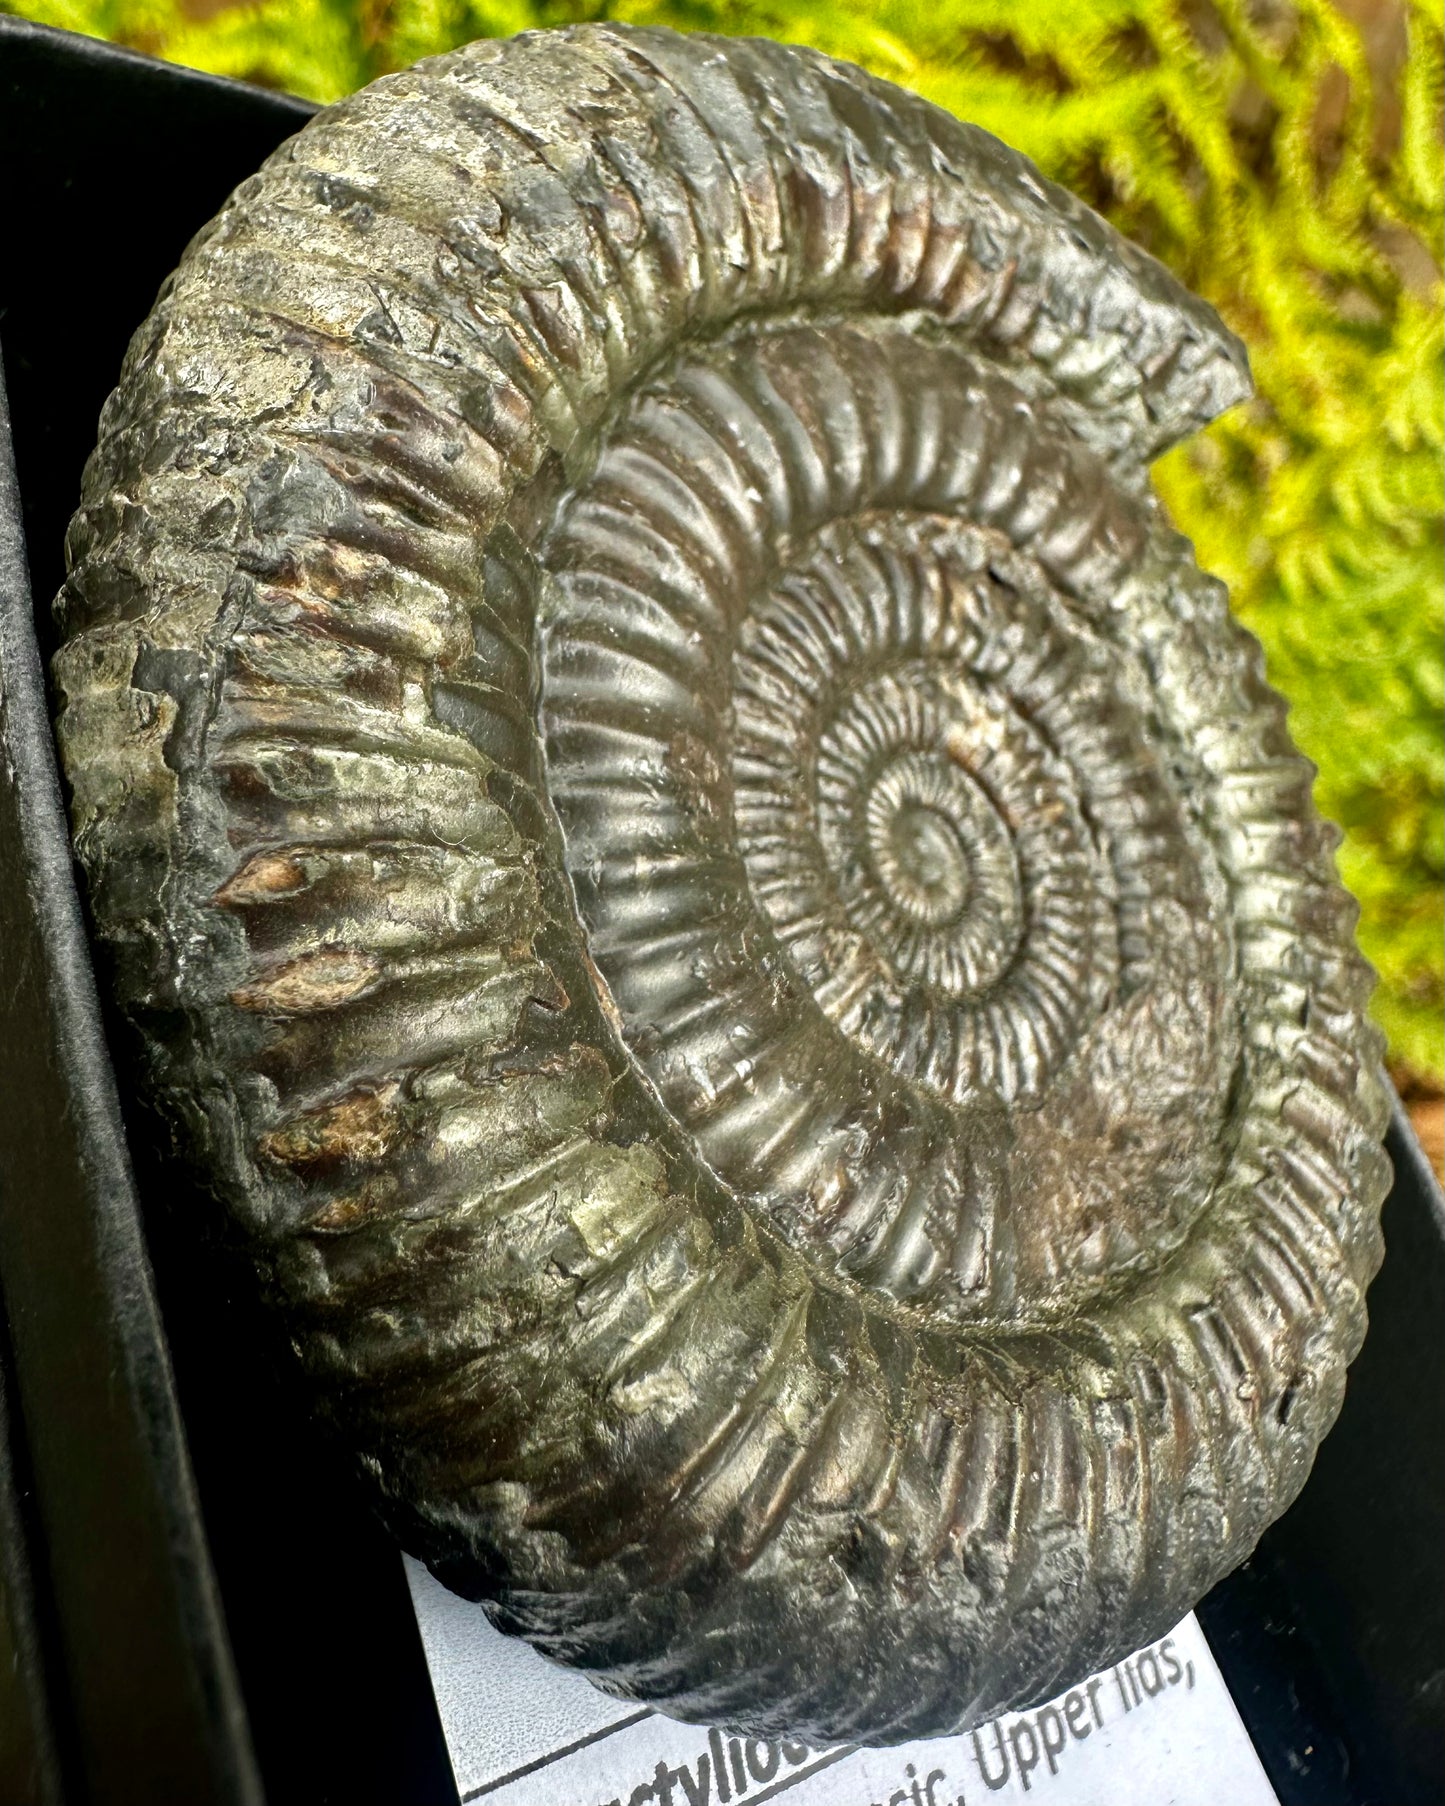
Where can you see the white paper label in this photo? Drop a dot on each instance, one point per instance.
(1158, 1730)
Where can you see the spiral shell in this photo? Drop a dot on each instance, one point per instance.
(727, 911)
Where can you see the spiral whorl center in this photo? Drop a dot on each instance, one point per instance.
(923, 863)
(917, 854)
(869, 833)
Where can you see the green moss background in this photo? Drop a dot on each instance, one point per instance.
(1284, 157)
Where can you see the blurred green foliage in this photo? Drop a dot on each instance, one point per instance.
(1284, 157)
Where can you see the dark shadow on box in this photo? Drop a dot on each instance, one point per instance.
(201, 1599)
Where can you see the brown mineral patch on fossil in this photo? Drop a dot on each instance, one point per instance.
(358, 1129)
(316, 981)
(261, 878)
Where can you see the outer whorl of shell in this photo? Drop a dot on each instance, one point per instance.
(712, 886)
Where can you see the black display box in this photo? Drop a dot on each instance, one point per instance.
(194, 1605)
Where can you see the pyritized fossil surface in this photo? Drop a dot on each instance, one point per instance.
(726, 910)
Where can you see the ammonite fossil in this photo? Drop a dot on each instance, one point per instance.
(719, 899)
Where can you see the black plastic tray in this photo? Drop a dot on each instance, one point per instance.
(193, 1604)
